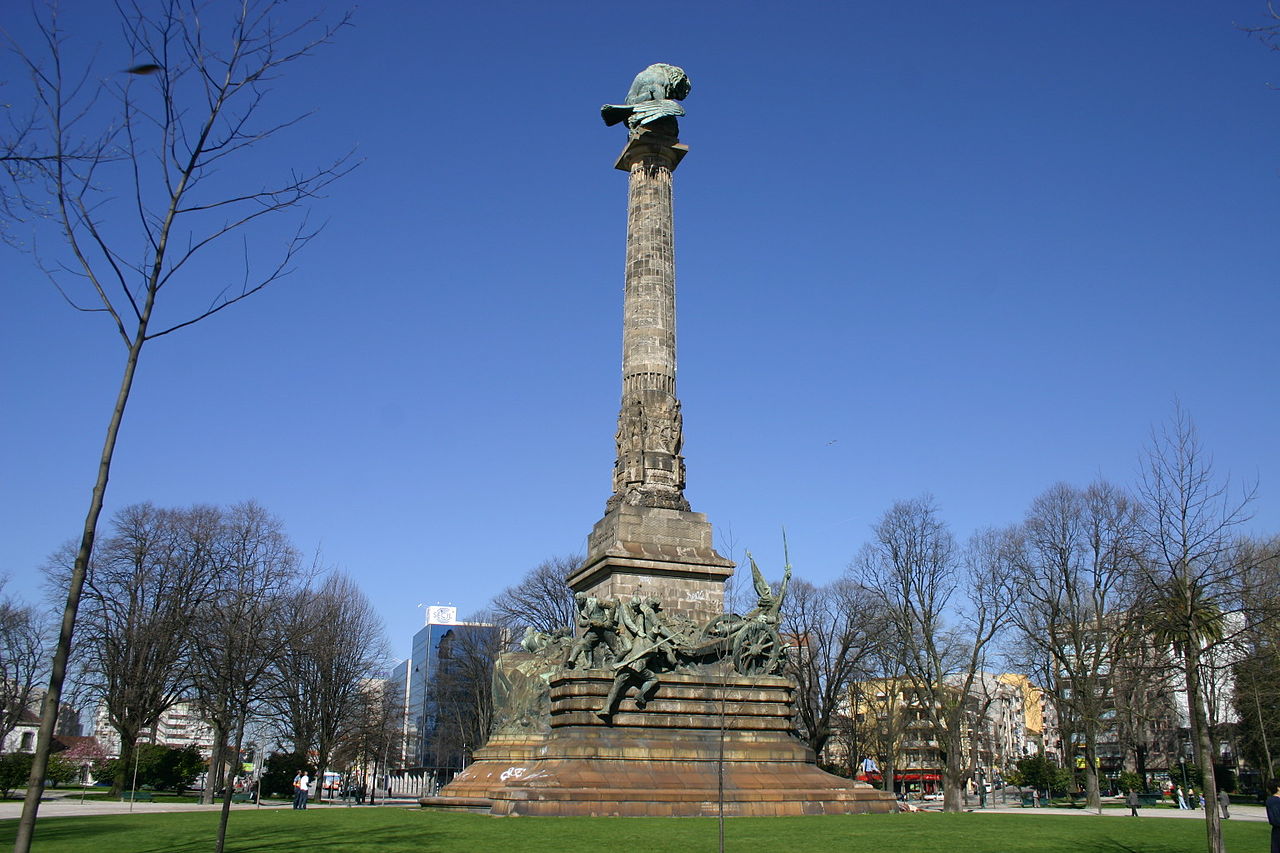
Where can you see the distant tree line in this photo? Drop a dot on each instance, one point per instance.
(214, 606)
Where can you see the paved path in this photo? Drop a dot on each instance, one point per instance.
(59, 805)
(1244, 813)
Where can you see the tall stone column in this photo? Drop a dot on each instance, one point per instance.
(649, 542)
(649, 470)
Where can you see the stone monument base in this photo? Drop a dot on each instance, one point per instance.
(701, 734)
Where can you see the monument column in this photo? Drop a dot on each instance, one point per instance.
(649, 470)
(649, 542)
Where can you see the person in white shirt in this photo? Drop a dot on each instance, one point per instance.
(301, 787)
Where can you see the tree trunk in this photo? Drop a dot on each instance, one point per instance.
(1204, 746)
(229, 788)
(124, 764)
(215, 764)
(1262, 731)
(1093, 797)
(953, 775)
(58, 672)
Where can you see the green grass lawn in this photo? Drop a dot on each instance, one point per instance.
(391, 830)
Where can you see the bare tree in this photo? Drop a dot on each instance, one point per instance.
(188, 109)
(1077, 573)
(834, 629)
(881, 712)
(373, 742)
(1268, 34)
(22, 662)
(542, 600)
(947, 610)
(147, 583)
(1189, 570)
(1256, 671)
(336, 642)
(239, 633)
(460, 694)
(1143, 689)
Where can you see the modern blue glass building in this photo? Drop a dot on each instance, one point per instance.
(435, 683)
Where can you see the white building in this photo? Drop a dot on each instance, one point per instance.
(180, 726)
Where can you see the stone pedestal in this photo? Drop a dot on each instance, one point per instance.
(663, 760)
(650, 551)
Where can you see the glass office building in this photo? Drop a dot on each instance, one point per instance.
(450, 662)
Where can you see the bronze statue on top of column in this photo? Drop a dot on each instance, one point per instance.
(651, 101)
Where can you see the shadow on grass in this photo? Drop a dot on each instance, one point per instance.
(98, 834)
(1110, 845)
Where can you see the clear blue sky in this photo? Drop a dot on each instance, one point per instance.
(964, 248)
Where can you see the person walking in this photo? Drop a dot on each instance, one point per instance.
(1182, 798)
(1273, 814)
(1224, 803)
(1132, 802)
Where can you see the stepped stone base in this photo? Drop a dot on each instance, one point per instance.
(643, 550)
(662, 760)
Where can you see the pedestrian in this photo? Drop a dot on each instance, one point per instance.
(297, 777)
(1273, 814)
(1224, 803)
(302, 787)
(1182, 798)
(1132, 802)
(1035, 798)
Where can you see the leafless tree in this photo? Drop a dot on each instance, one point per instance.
(1144, 693)
(881, 712)
(947, 609)
(336, 642)
(239, 633)
(22, 661)
(833, 630)
(1078, 565)
(542, 600)
(187, 111)
(373, 742)
(1256, 671)
(1189, 570)
(147, 582)
(1268, 34)
(460, 693)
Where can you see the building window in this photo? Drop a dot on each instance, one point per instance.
(28, 741)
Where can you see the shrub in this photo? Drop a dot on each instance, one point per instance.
(15, 770)
(61, 770)
(1129, 781)
(277, 775)
(160, 767)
